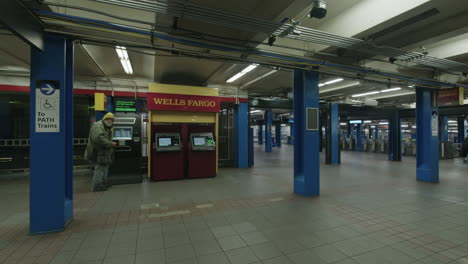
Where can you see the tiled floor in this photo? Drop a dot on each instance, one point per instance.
(370, 211)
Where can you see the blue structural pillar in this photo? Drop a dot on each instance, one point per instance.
(333, 134)
(376, 132)
(242, 135)
(51, 134)
(394, 137)
(306, 134)
(443, 128)
(268, 125)
(278, 135)
(358, 138)
(461, 130)
(251, 147)
(260, 134)
(427, 147)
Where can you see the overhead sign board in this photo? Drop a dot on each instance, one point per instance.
(47, 106)
(355, 121)
(450, 97)
(125, 105)
(181, 102)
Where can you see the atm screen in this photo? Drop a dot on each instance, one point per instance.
(122, 133)
(164, 141)
(199, 141)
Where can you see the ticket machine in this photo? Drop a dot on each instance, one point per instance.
(201, 156)
(167, 153)
(127, 154)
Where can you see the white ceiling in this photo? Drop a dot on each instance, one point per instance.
(444, 34)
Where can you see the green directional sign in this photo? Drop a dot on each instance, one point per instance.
(125, 106)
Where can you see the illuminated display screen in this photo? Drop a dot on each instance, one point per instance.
(199, 141)
(355, 121)
(125, 106)
(122, 133)
(164, 141)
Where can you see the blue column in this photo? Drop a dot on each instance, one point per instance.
(268, 125)
(427, 147)
(241, 135)
(394, 137)
(278, 135)
(358, 138)
(306, 142)
(443, 128)
(461, 130)
(376, 132)
(334, 128)
(51, 153)
(260, 134)
(251, 148)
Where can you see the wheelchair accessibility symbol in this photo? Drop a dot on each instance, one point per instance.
(47, 104)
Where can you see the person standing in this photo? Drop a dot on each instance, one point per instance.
(99, 151)
(464, 150)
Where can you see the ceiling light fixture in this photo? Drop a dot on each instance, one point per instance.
(242, 73)
(334, 81)
(392, 95)
(390, 90)
(258, 78)
(124, 59)
(367, 121)
(383, 123)
(364, 94)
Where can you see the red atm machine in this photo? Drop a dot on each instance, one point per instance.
(168, 157)
(201, 152)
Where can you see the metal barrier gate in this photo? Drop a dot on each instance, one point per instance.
(226, 136)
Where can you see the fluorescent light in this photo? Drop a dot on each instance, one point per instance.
(367, 121)
(333, 81)
(256, 111)
(364, 94)
(452, 121)
(343, 124)
(404, 125)
(124, 59)
(321, 84)
(339, 87)
(390, 90)
(383, 123)
(392, 95)
(258, 78)
(372, 126)
(242, 73)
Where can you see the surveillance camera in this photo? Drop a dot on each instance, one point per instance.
(319, 9)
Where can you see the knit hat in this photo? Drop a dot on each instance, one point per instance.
(108, 115)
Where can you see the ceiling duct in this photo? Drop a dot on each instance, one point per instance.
(408, 22)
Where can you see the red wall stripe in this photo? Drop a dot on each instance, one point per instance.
(19, 88)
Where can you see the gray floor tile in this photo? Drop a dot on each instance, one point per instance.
(231, 242)
(266, 250)
(278, 260)
(149, 257)
(206, 247)
(223, 231)
(241, 256)
(329, 253)
(179, 253)
(216, 258)
(305, 257)
(128, 259)
(253, 238)
(349, 248)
